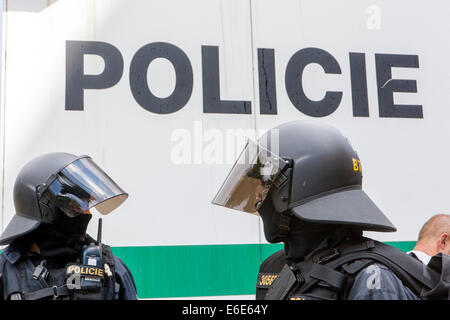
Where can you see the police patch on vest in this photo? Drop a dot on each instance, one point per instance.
(84, 270)
(265, 280)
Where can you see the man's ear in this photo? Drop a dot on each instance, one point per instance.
(444, 242)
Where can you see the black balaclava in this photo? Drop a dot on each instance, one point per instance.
(303, 236)
(271, 220)
(60, 241)
(306, 238)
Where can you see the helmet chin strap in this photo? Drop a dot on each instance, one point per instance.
(283, 224)
(285, 216)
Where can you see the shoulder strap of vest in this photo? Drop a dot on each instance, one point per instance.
(282, 285)
(107, 255)
(304, 275)
(55, 292)
(412, 272)
(125, 287)
(404, 263)
(323, 267)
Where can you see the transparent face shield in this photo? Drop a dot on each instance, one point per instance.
(250, 179)
(81, 186)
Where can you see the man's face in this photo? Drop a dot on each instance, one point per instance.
(85, 211)
(78, 205)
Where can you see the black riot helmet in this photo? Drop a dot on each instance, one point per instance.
(307, 170)
(59, 183)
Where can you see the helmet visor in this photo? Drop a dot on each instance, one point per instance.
(250, 179)
(81, 186)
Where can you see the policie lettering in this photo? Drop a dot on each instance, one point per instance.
(77, 81)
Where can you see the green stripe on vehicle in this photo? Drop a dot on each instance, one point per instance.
(201, 270)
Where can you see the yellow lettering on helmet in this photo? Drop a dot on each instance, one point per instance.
(356, 165)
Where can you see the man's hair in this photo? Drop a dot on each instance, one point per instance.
(435, 226)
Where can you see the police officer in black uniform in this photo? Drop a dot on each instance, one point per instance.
(49, 255)
(305, 181)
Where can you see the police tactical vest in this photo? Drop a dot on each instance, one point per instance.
(25, 281)
(329, 273)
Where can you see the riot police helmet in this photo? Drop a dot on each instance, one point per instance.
(302, 169)
(59, 183)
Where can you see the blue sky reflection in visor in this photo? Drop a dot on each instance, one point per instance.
(81, 186)
(250, 179)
